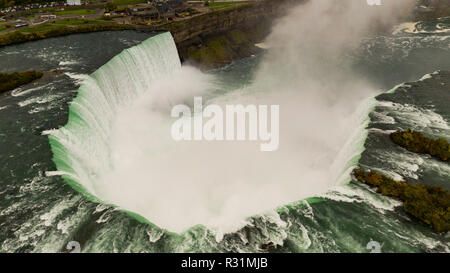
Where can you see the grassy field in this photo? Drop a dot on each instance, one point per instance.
(2, 28)
(79, 22)
(23, 13)
(55, 30)
(220, 5)
(70, 22)
(75, 12)
(39, 28)
(60, 24)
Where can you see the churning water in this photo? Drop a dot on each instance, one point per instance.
(114, 152)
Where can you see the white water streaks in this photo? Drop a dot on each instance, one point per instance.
(408, 27)
(93, 111)
(442, 26)
(79, 78)
(21, 91)
(414, 116)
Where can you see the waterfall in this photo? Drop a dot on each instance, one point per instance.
(117, 147)
(81, 148)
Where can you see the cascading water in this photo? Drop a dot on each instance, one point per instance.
(82, 147)
(117, 148)
(39, 213)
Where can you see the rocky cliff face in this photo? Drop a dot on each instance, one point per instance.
(245, 15)
(217, 38)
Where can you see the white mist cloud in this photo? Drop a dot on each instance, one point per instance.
(177, 185)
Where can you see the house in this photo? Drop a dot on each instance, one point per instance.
(48, 16)
(167, 7)
(144, 12)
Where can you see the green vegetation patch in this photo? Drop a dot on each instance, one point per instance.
(221, 5)
(70, 22)
(14, 80)
(219, 47)
(48, 31)
(2, 28)
(75, 12)
(217, 51)
(42, 28)
(238, 37)
(128, 2)
(431, 205)
(418, 143)
(79, 22)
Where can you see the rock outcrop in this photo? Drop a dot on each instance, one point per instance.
(217, 38)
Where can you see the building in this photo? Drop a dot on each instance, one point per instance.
(167, 7)
(73, 2)
(48, 16)
(144, 12)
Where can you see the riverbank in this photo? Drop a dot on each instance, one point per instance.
(216, 39)
(56, 30)
(209, 39)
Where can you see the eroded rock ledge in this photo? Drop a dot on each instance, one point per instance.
(216, 38)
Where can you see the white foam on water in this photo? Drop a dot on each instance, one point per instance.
(408, 27)
(53, 173)
(413, 28)
(79, 78)
(67, 63)
(426, 77)
(415, 116)
(388, 173)
(262, 45)
(100, 208)
(154, 235)
(104, 218)
(20, 91)
(40, 100)
(43, 231)
(407, 164)
(383, 118)
(443, 168)
(364, 194)
(403, 85)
